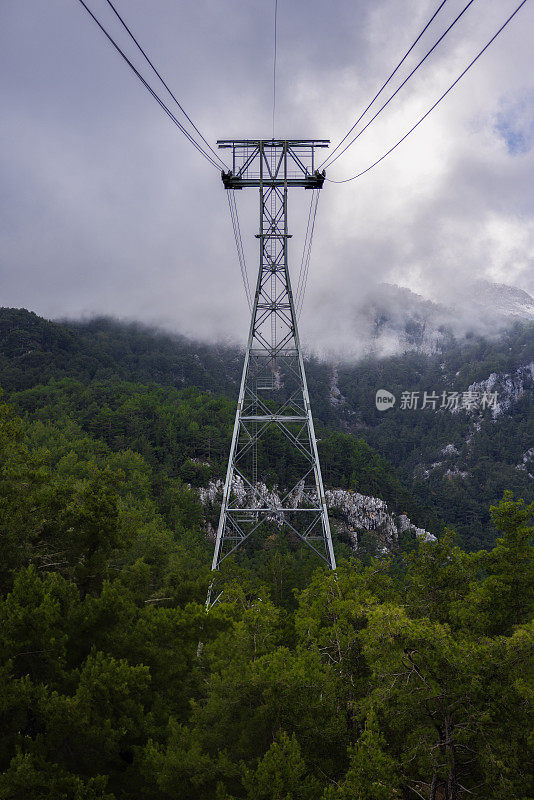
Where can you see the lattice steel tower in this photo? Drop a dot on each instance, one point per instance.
(273, 392)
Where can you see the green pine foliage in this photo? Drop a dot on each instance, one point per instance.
(408, 675)
(459, 487)
(374, 683)
(436, 489)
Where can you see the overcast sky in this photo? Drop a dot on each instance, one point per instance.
(107, 209)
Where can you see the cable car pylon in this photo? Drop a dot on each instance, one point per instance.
(273, 394)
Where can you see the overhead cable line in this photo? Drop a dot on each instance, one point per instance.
(157, 73)
(274, 58)
(243, 264)
(451, 87)
(308, 253)
(401, 62)
(232, 205)
(151, 91)
(304, 251)
(405, 81)
(308, 256)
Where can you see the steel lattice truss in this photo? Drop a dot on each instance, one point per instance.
(273, 419)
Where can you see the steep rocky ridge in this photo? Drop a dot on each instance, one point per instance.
(352, 513)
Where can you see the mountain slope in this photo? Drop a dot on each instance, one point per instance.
(457, 460)
(456, 464)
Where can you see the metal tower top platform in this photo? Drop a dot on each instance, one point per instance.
(273, 162)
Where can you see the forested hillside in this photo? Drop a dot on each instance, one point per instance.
(407, 675)
(124, 385)
(457, 462)
(34, 350)
(399, 678)
(447, 468)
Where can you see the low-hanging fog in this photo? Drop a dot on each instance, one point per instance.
(107, 209)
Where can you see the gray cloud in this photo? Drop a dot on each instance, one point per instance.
(108, 209)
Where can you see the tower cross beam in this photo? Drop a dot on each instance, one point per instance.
(273, 163)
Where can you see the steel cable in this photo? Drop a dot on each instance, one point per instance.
(304, 250)
(232, 205)
(451, 87)
(244, 271)
(151, 91)
(405, 81)
(308, 256)
(274, 58)
(157, 73)
(401, 62)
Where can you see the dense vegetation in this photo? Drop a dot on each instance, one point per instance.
(400, 678)
(34, 350)
(460, 486)
(434, 488)
(404, 676)
(124, 385)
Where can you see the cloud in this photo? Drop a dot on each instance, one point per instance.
(108, 209)
(515, 123)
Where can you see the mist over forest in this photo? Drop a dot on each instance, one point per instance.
(407, 672)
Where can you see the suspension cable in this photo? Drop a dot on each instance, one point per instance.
(157, 73)
(304, 251)
(151, 91)
(232, 205)
(274, 58)
(308, 255)
(243, 262)
(388, 101)
(451, 87)
(401, 62)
